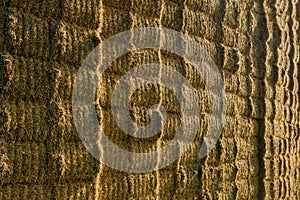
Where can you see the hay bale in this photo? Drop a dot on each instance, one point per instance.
(254, 44)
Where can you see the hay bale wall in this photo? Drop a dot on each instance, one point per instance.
(254, 43)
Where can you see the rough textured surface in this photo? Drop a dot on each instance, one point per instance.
(254, 43)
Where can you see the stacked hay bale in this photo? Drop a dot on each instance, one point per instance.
(255, 45)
